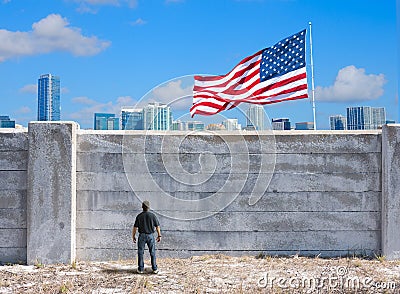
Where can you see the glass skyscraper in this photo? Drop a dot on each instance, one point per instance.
(256, 117)
(365, 118)
(157, 116)
(49, 108)
(132, 118)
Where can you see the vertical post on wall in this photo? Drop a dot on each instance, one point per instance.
(51, 193)
(390, 191)
(312, 79)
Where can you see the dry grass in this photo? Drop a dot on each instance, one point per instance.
(207, 274)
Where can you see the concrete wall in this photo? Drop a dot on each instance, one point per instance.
(323, 196)
(318, 192)
(13, 183)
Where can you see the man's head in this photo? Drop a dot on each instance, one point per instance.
(146, 205)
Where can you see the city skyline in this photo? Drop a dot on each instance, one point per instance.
(108, 54)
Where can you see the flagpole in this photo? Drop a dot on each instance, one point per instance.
(312, 80)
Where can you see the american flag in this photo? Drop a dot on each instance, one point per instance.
(272, 75)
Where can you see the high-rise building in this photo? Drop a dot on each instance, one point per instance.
(49, 108)
(106, 121)
(256, 117)
(132, 118)
(378, 117)
(6, 122)
(338, 122)
(365, 118)
(281, 124)
(308, 125)
(231, 124)
(157, 116)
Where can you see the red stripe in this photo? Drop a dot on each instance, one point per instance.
(236, 75)
(269, 87)
(215, 78)
(253, 99)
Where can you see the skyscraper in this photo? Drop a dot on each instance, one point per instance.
(157, 116)
(106, 121)
(365, 118)
(338, 122)
(256, 117)
(132, 118)
(49, 108)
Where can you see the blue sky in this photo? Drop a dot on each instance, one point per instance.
(111, 53)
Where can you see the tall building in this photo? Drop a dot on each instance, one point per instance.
(308, 125)
(49, 108)
(365, 118)
(106, 121)
(231, 124)
(338, 122)
(256, 117)
(131, 118)
(6, 122)
(378, 117)
(281, 124)
(157, 116)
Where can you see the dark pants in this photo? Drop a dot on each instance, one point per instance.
(151, 244)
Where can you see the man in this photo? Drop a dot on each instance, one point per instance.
(145, 223)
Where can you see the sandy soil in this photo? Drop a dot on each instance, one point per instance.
(208, 274)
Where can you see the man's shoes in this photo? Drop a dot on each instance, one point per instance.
(140, 272)
(155, 271)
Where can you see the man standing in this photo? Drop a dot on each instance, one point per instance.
(145, 223)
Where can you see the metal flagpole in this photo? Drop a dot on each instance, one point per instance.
(312, 80)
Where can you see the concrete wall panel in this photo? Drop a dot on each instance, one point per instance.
(241, 221)
(196, 240)
(299, 182)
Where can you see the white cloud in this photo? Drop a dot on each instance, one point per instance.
(83, 100)
(24, 110)
(85, 115)
(138, 22)
(352, 84)
(50, 34)
(179, 97)
(30, 88)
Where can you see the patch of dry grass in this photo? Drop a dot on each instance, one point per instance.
(206, 274)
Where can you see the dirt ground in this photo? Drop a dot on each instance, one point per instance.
(208, 274)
